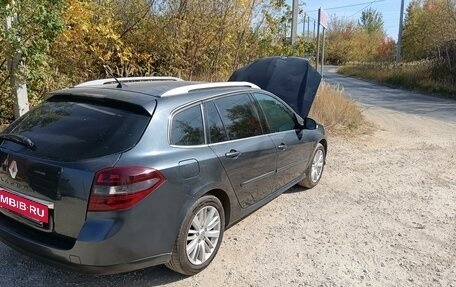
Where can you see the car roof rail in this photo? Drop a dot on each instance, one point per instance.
(189, 88)
(108, 81)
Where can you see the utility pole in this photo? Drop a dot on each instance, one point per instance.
(16, 68)
(308, 27)
(304, 26)
(294, 23)
(314, 28)
(399, 37)
(322, 52)
(317, 58)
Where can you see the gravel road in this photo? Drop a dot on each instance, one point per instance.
(371, 94)
(383, 215)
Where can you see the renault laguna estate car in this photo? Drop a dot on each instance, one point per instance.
(120, 174)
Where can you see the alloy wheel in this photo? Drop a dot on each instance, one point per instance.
(317, 165)
(203, 235)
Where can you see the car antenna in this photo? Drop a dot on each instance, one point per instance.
(119, 83)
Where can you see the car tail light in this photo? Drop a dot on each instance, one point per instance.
(119, 188)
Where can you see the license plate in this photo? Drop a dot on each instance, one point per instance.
(25, 207)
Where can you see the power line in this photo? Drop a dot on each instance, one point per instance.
(352, 5)
(370, 4)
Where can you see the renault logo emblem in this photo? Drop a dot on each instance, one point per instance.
(13, 169)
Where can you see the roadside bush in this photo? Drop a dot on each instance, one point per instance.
(444, 63)
(336, 112)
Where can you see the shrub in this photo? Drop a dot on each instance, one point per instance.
(336, 112)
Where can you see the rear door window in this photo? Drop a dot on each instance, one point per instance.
(214, 126)
(239, 116)
(73, 131)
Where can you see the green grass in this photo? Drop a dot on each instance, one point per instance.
(412, 76)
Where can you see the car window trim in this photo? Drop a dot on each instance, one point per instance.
(235, 140)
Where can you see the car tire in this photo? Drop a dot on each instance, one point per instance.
(315, 169)
(196, 244)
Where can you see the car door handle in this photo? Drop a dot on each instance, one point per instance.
(282, 146)
(233, 153)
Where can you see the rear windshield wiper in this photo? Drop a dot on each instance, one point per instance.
(22, 140)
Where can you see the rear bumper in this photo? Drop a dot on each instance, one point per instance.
(99, 255)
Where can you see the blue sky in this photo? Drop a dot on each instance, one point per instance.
(390, 10)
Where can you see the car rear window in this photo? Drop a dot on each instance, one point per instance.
(74, 131)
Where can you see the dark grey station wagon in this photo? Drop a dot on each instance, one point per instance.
(120, 174)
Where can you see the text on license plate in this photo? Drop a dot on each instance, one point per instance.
(24, 206)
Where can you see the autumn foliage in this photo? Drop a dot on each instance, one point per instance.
(362, 41)
(430, 34)
(65, 42)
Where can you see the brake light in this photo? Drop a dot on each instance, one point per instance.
(119, 188)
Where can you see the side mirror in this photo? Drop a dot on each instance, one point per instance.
(310, 124)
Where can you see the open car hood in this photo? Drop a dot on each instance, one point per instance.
(290, 78)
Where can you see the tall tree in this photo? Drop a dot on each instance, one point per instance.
(340, 46)
(429, 24)
(31, 27)
(372, 21)
(415, 32)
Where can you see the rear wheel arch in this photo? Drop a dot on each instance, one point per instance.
(199, 237)
(324, 143)
(225, 200)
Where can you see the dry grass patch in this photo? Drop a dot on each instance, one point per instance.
(421, 76)
(336, 112)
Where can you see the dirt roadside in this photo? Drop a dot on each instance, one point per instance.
(383, 215)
